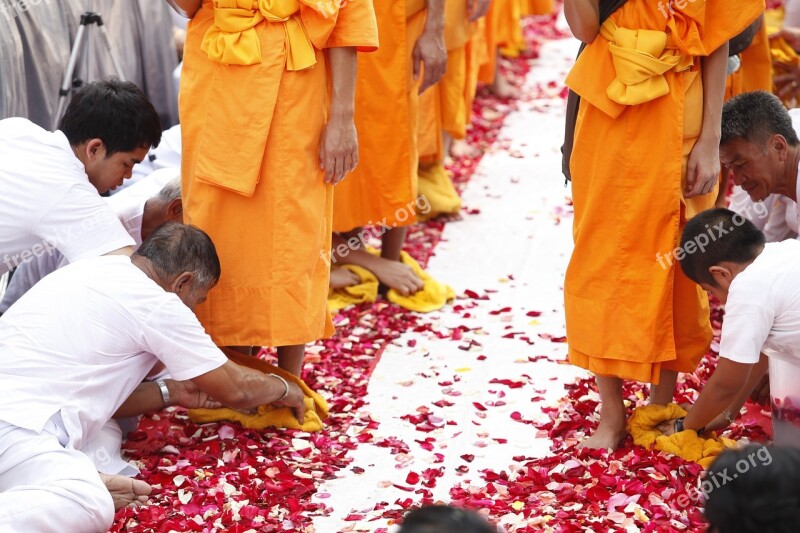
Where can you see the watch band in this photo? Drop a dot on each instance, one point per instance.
(164, 392)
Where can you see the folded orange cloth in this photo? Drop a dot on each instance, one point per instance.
(643, 427)
(268, 415)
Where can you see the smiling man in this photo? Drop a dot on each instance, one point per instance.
(760, 144)
(51, 180)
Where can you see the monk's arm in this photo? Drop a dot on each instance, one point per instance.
(339, 147)
(583, 17)
(704, 165)
(244, 388)
(187, 8)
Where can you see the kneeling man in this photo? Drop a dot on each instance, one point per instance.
(75, 348)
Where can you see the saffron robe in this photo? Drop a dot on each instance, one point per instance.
(251, 173)
(630, 311)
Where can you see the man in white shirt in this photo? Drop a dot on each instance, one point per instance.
(50, 181)
(140, 208)
(74, 351)
(760, 144)
(760, 286)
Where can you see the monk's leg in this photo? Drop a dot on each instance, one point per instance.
(664, 392)
(246, 350)
(290, 358)
(501, 87)
(391, 273)
(126, 491)
(611, 431)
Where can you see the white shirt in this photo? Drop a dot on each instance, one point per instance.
(129, 207)
(763, 308)
(47, 201)
(81, 340)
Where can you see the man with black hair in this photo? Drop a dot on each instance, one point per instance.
(51, 180)
(73, 353)
(753, 489)
(727, 255)
(760, 144)
(444, 519)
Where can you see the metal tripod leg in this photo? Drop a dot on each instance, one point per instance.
(87, 19)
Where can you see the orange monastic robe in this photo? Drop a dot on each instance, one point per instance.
(251, 178)
(755, 73)
(538, 7)
(503, 31)
(630, 311)
(383, 188)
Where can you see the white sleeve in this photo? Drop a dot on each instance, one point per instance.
(28, 274)
(745, 328)
(82, 224)
(174, 335)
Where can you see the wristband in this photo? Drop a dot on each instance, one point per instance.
(164, 392)
(286, 387)
(679, 426)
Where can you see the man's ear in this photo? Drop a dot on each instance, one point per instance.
(722, 276)
(95, 149)
(779, 144)
(175, 210)
(182, 282)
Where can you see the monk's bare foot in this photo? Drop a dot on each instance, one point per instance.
(395, 275)
(126, 491)
(460, 148)
(342, 277)
(502, 87)
(608, 436)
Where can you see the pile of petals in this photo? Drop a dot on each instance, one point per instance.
(222, 477)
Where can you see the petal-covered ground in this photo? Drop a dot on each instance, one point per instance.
(472, 405)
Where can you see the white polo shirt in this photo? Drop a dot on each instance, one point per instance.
(763, 308)
(81, 340)
(129, 207)
(47, 201)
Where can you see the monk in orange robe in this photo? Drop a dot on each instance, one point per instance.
(645, 159)
(503, 34)
(263, 145)
(383, 189)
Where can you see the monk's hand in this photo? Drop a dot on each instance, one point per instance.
(188, 395)
(703, 169)
(478, 9)
(792, 37)
(296, 400)
(338, 151)
(760, 394)
(787, 84)
(430, 58)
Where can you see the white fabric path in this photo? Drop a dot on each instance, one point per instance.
(523, 231)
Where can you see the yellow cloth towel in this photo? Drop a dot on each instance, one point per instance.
(432, 297)
(233, 40)
(436, 187)
(365, 292)
(641, 57)
(642, 426)
(267, 415)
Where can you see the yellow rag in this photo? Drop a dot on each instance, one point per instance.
(365, 292)
(267, 415)
(643, 427)
(432, 297)
(436, 187)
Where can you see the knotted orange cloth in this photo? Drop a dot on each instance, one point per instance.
(642, 426)
(251, 177)
(267, 415)
(630, 311)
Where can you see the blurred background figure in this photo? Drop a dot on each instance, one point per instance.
(444, 519)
